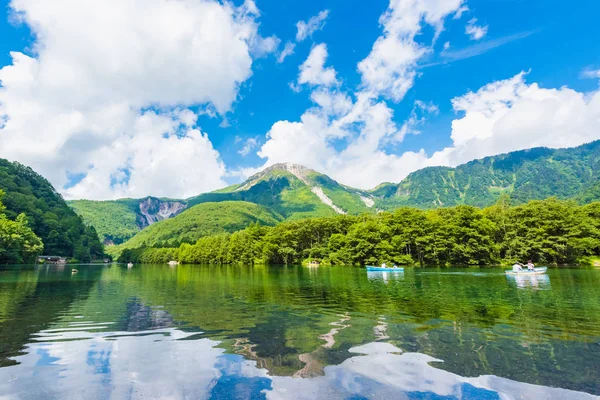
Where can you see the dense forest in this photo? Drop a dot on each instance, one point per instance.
(115, 221)
(60, 229)
(546, 231)
(18, 243)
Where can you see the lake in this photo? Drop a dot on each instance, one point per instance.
(194, 332)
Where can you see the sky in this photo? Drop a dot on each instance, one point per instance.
(173, 98)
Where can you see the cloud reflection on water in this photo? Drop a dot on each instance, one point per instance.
(173, 364)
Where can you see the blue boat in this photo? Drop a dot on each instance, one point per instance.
(387, 269)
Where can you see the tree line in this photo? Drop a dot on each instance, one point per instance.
(546, 231)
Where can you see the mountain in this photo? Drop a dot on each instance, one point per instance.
(118, 220)
(199, 221)
(538, 173)
(293, 191)
(289, 190)
(61, 230)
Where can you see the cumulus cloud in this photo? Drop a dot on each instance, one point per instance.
(389, 69)
(313, 70)
(511, 115)
(476, 32)
(503, 116)
(345, 134)
(348, 135)
(81, 97)
(306, 29)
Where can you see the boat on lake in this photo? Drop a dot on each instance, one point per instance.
(392, 269)
(129, 265)
(536, 271)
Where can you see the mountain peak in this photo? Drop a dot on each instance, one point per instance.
(288, 166)
(299, 171)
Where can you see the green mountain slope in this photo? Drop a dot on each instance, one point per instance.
(290, 190)
(199, 221)
(118, 220)
(62, 231)
(525, 175)
(293, 191)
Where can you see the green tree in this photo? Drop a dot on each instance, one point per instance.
(18, 243)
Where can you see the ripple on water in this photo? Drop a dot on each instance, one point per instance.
(254, 330)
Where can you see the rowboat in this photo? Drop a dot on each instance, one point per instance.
(536, 271)
(391, 269)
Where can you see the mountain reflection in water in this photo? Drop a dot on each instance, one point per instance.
(287, 333)
(77, 363)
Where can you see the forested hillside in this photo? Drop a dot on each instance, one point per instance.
(526, 175)
(547, 231)
(199, 221)
(61, 230)
(116, 221)
(296, 192)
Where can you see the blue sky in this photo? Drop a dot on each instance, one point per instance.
(555, 43)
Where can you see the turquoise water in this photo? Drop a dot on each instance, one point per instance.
(190, 332)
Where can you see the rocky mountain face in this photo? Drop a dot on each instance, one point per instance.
(152, 210)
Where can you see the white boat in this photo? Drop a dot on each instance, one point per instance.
(173, 263)
(129, 265)
(536, 271)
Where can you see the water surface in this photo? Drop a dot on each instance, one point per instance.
(191, 332)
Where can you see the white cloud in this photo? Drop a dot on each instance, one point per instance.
(306, 29)
(164, 148)
(451, 55)
(288, 50)
(351, 137)
(262, 47)
(389, 69)
(347, 139)
(446, 45)
(463, 9)
(312, 71)
(78, 101)
(476, 32)
(511, 115)
(591, 73)
(249, 145)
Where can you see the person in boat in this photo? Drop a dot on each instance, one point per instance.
(530, 266)
(517, 267)
(384, 265)
(394, 266)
